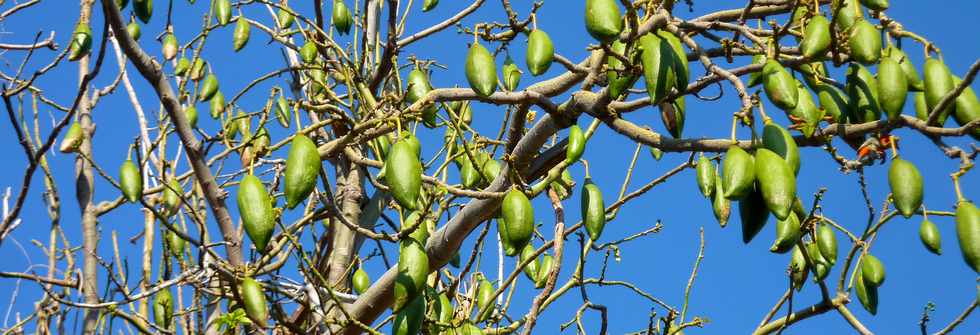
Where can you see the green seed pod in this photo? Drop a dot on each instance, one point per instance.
(544, 270)
(619, 80)
(484, 298)
(133, 29)
(966, 108)
(777, 182)
(755, 78)
(255, 209)
(787, 234)
(929, 234)
(286, 19)
(481, 71)
(73, 138)
(593, 209)
(564, 185)
(429, 5)
(798, 269)
(468, 174)
(143, 9)
(721, 206)
(518, 221)
(779, 140)
(827, 243)
(878, 5)
(171, 197)
(576, 144)
(780, 86)
(798, 208)
(308, 52)
(938, 83)
(848, 15)
(862, 91)
(658, 67)
(906, 186)
(240, 36)
(183, 65)
(130, 181)
(531, 270)
(217, 105)
(208, 88)
(403, 173)
(360, 281)
(968, 233)
(813, 74)
(81, 42)
(169, 47)
(302, 166)
(176, 244)
(806, 111)
(254, 299)
(283, 114)
(197, 70)
(912, 77)
(163, 307)
(413, 267)
(421, 232)
(865, 42)
(872, 270)
(672, 114)
(816, 38)
(512, 75)
(892, 88)
(409, 320)
(540, 52)
(417, 86)
(867, 295)
(821, 268)
(834, 102)
(753, 213)
(222, 11)
(921, 110)
(603, 20)
(412, 142)
(738, 173)
(191, 113)
(656, 153)
(678, 59)
(342, 19)
(705, 175)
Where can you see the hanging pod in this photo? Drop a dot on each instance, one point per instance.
(816, 38)
(827, 243)
(798, 269)
(484, 297)
(420, 232)
(286, 19)
(342, 18)
(966, 108)
(540, 52)
(834, 102)
(183, 65)
(813, 74)
(73, 138)
(429, 5)
(143, 9)
(190, 112)
(867, 294)
(864, 42)
(439, 311)
(175, 243)
(242, 31)
(308, 52)
(208, 88)
(518, 219)
(721, 206)
(892, 88)
(787, 234)
(862, 91)
(417, 86)
(255, 209)
(531, 270)
(753, 213)
(413, 267)
(512, 75)
(906, 186)
(171, 197)
(163, 308)
(779, 140)
(672, 114)
(130, 181)
(821, 268)
(302, 166)
(929, 235)
(872, 270)
(563, 186)
(544, 270)
(283, 114)
(738, 173)
(848, 15)
(133, 29)
(603, 20)
(197, 69)
(403, 173)
(468, 174)
(217, 105)
(576, 144)
(878, 5)
(619, 77)
(806, 112)
(912, 77)
(780, 86)
(254, 299)
(755, 78)
(938, 83)
(81, 42)
(776, 182)
(409, 320)
(678, 59)
(705, 175)
(658, 72)
(222, 11)
(593, 209)
(481, 71)
(968, 233)
(169, 48)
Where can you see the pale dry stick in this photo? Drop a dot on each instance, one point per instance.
(799, 315)
(694, 274)
(775, 309)
(959, 319)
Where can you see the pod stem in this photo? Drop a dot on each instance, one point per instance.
(585, 163)
(894, 147)
(129, 153)
(734, 128)
(534, 21)
(956, 186)
(924, 215)
(299, 128)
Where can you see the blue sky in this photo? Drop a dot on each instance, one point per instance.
(737, 283)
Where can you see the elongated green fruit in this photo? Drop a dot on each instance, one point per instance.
(73, 138)
(813, 74)
(308, 52)
(848, 15)
(413, 267)
(547, 262)
(531, 270)
(755, 78)
(798, 269)
(504, 235)
(191, 113)
(417, 87)
(255, 209)
(865, 42)
(929, 235)
(776, 182)
(827, 243)
(921, 110)
(966, 108)
(620, 79)
(787, 234)
(163, 308)
(892, 88)
(409, 320)
(816, 37)
(906, 186)
(134, 31)
(672, 114)
(512, 74)
(834, 102)
(183, 65)
(197, 69)
(563, 186)
(603, 20)
(441, 310)
(968, 233)
(283, 114)
(540, 52)
(872, 270)
(721, 206)
(484, 298)
(593, 209)
(143, 9)
(222, 11)
(254, 299)
(481, 71)
(342, 18)
(576, 144)
(938, 83)
(518, 215)
(806, 110)
(242, 31)
(705, 175)
(302, 166)
(217, 105)
(912, 77)
(658, 67)
(780, 141)
(169, 47)
(176, 244)
(753, 213)
(678, 59)
(821, 268)
(208, 88)
(738, 173)
(171, 197)
(878, 5)
(81, 42)
(130, 181)
(780, 86)
(468, 174)
(286, 19)
(403, 173)
(862, 90)
(867, 295)
(429, 5)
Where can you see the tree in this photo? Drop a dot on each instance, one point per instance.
(359, 187)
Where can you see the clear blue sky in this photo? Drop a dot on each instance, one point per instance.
(737, 283)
